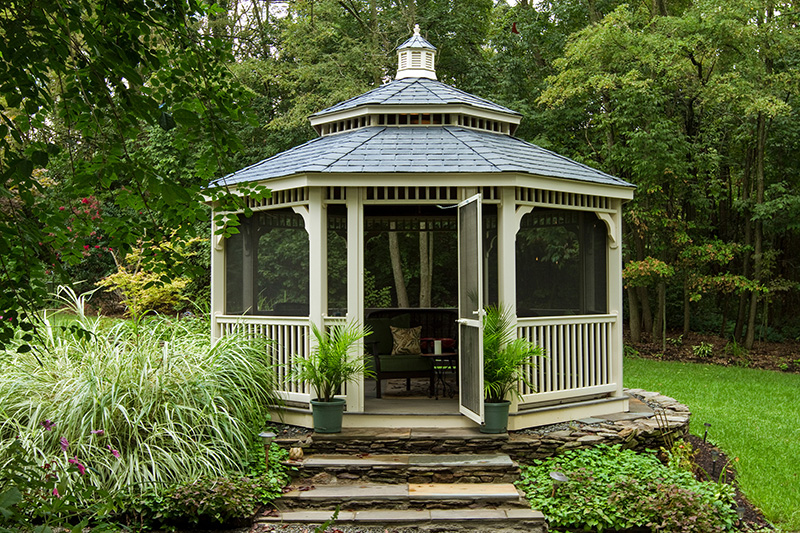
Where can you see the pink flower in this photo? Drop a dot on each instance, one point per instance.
(61, 209)
(85, 201)
(114, 452)
(55, 492)
(47, 424)
(64, 444)
(80, 467)
(97, 432)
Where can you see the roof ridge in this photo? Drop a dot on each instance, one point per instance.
(565, 158)
(378, 130)
(449, 129)
(417, 80)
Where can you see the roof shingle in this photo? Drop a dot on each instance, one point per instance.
(415, 91)
(419, 150)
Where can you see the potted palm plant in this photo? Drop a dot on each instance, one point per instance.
(328, 367)
(505, 358)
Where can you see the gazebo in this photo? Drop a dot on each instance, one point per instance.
(534, 232)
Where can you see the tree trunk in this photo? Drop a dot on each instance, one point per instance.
(425, 266)
(659, 324)
(741, 316)
(759, 230)
(397, 269)
(635, 317)
(687, 313)
(647, 314)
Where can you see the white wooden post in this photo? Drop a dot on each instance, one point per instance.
(355, 284)
(317, 227)
(508, 222)
(217, 279)
(614, 269)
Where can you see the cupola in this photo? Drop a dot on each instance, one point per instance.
(415, 58)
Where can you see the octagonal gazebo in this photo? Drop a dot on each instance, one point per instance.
(537, 233)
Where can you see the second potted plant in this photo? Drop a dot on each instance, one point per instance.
(328, 367)
(505, 358)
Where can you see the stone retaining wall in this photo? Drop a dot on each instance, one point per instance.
(652, 416)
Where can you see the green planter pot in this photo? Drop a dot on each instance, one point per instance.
(328, 415)
(495, 417)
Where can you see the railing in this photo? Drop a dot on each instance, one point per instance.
(288, 336)
(578, 357)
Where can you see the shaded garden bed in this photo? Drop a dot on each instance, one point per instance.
(713, 349)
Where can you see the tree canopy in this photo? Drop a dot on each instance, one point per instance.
(115, 115)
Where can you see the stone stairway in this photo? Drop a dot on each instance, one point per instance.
(403, 491)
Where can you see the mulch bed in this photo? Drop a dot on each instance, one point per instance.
(723, 470)
(778, 356)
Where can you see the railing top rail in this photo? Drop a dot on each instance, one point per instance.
(253, 319)
(570, 319)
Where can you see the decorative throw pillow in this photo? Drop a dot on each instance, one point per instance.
(406, 341)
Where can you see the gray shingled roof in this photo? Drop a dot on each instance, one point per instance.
(419, 150)
(416, 41)
(415, 91)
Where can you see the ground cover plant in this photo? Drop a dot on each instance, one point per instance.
(131, 407)
(753, 416)
(608, 488)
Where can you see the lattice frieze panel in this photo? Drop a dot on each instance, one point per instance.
(570, 200)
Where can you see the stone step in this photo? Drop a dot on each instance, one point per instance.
(412, 468)
(500, 520)
(403, 496)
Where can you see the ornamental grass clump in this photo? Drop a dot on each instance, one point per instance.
(609, 488)
(143, 403)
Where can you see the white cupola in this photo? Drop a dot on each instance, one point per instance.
(415, 58)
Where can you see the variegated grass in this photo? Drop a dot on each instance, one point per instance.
(173, 406)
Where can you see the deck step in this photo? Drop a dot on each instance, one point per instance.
(403, 496)
(440, 520)
(413, 468)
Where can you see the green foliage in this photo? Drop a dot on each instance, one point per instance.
(507, 359)
(88, 84)
(645, 272)
(225, 500)
(169, 404)
(214, 500)
(704, 350)
(148, 290)
(332, 362)
(374, 297)
(612, 488)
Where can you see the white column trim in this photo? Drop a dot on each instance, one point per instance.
(355, 284)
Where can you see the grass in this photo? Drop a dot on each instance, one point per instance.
(171, 407)
(754, 416)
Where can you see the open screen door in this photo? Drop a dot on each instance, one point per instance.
(470, 309)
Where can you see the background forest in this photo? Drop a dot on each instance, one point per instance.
(114, 117)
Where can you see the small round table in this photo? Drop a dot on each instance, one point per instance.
(448, 361)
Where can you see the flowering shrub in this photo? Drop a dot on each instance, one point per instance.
(51, 492)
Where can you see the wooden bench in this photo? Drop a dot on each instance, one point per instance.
(436, 323)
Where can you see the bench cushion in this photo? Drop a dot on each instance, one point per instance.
(405, 363)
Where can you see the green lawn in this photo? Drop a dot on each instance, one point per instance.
(754, 415)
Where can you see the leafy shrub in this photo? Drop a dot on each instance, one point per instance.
(144, 286)
(704, 350)
(228, 500)
(611, 488)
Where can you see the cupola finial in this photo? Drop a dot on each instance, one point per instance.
(415, 58)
